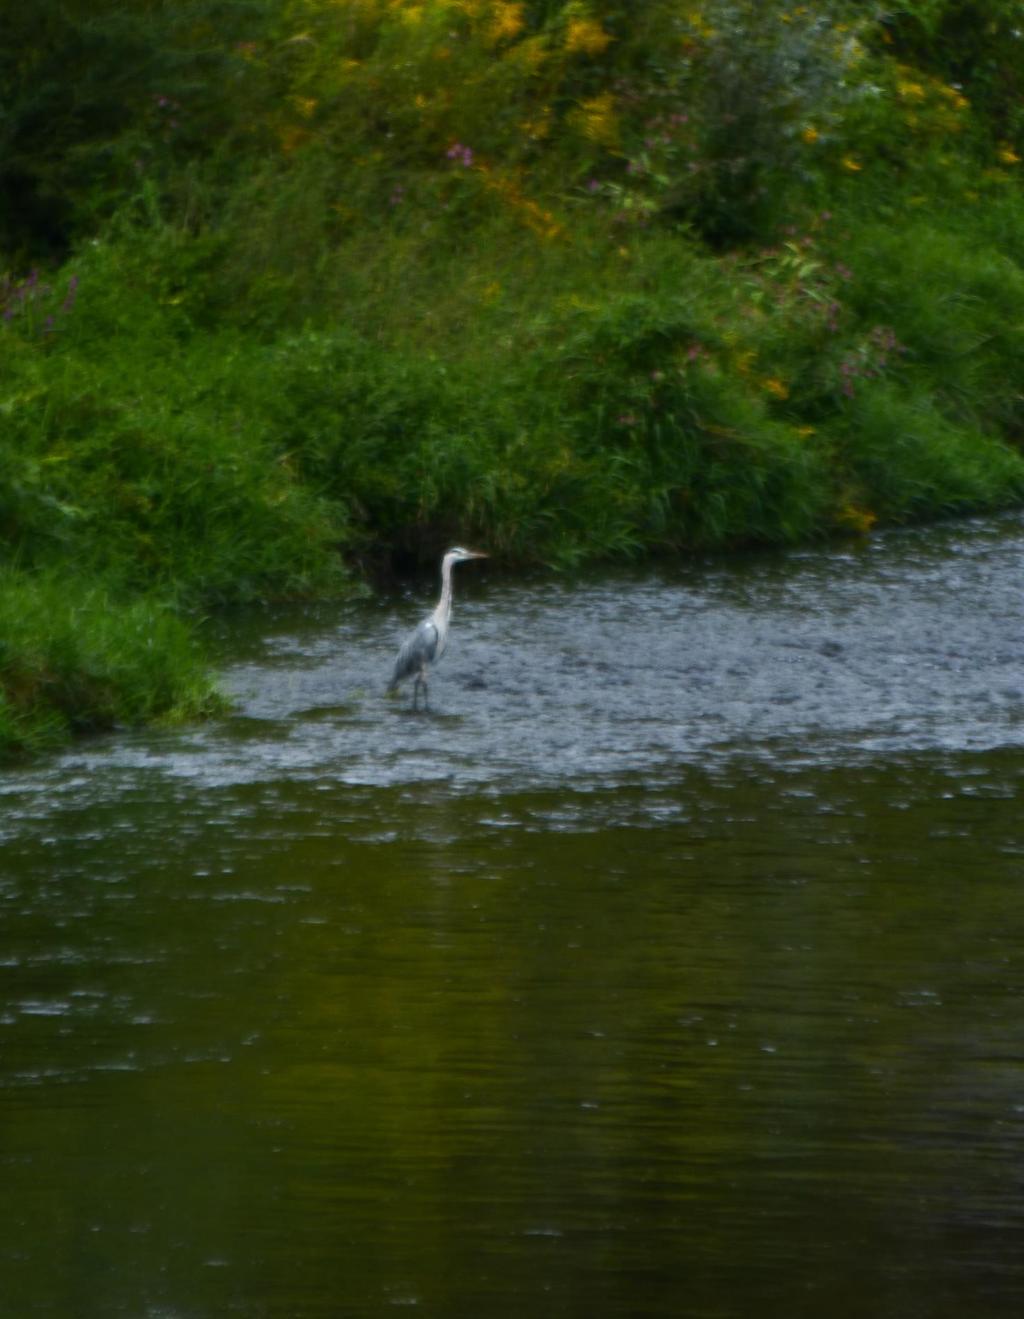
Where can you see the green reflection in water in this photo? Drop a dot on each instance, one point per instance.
(734, 1047)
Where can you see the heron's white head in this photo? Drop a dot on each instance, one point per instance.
(460, 555)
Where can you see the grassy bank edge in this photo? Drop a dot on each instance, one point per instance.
(75, 659)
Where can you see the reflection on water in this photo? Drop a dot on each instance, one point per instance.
(671, 966)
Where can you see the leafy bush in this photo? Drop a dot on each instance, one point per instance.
(133, 449)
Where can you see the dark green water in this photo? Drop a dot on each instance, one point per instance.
(672, 966)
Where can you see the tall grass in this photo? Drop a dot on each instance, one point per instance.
(76, 657)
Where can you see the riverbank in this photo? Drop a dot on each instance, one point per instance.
(612, 316)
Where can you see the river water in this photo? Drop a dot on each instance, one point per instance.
(671, 965)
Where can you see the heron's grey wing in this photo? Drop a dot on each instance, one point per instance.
(419, 648)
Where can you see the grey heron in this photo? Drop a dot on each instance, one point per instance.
(427, 643)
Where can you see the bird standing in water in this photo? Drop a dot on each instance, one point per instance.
(427, 643)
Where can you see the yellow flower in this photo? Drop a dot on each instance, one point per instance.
(530, 53)
(775, 386)
(533, 216)
(960, 102)
(596, 118)
(1007, 155)
(583, 34)
(857, 519)
(305, 105)
(854, 166)
(535, 129)
(910, 91)
(804, 431)
(810, 134)
(507, 21)
(700, 25)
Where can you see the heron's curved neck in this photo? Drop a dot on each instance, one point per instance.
(444, 605)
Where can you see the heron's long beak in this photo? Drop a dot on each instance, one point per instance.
(477, 554)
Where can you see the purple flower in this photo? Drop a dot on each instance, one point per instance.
(460, 153)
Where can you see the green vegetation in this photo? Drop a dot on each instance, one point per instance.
(294, 283)
(77, 660)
